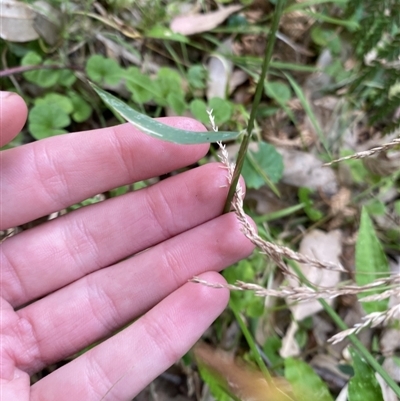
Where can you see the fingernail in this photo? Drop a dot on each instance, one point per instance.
(4, 94)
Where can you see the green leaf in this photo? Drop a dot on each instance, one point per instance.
(199, 110)
(397, 207)
(222, 110)
(177, 102)
(168, 79)
(305, 198)
(215, 382)
(158, 130)
(82, 109)
(102, 69)
(363, 386)
(371, 262)
(278, 91)
(306, 384)
(44, 78)
(271, 349)
(376, 207)
(61, 101)
(66, 78)
(160, 32)
(255, 307)
(142, 87)
(47, 120)
(265, 166)
(197, 76)
(327, 38)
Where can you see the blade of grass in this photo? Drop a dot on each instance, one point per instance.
(158, 130)
(279, 214)
(306, 4)
(250, 342)
(352, 25)
(257, 98)
(307, 108)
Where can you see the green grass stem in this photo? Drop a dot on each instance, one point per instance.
(257, 98)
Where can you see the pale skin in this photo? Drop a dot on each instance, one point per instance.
(69, 282)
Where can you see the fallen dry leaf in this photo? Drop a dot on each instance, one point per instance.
(240, 378)
(198, 23)
(323, 246)
(47, 21)
(219, 70)
(16, 21)
(305, 170)
(326, 247)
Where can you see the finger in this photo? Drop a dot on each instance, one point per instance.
(92, 308)
(124, 364)
(105, 233)
(13, 114)
(49, 175)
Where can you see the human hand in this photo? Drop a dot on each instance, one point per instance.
(71, 282)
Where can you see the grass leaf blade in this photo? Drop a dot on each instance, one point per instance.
(157, 129)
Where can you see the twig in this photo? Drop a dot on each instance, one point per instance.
(26, 68)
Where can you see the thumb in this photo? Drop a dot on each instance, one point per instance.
(13, 113)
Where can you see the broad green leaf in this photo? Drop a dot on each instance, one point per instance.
(222, 110)
(157, 129)
(306, 384)
(82, 109)
(262, 167)
(67, 78)
(278, 91)
(177, 102)
(245, 301)
(327, 38)
(47, 120)
(199, 110)
(102, 69)
(255, 307)
(61, 101)
(271, 349)
(168, 81)
(44, 78)
(376, 207)
(371, 262)
(197, 76)
(363, 386)
(142, 87)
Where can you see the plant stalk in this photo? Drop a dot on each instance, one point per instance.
(257, 98)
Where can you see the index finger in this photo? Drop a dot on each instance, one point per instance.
(49, 175)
